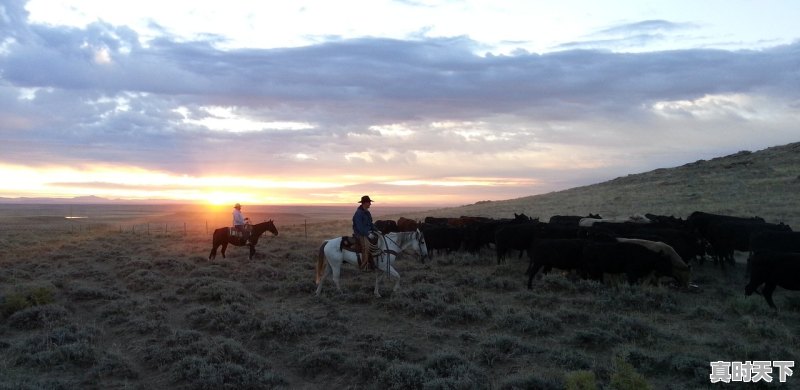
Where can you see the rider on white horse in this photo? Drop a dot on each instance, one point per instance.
(362, 230)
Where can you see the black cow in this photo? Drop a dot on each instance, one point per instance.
(436, 221)
(386, 226)
(566, 254)
(442, 237)
(667, 221)
(702, 223)
(569, 220)
(774, 269)
(516, 236)
(633, 260)
(778, 241)
(686, 242)
(480, 235)
(728, 236)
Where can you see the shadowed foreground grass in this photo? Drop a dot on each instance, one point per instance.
(135, 311)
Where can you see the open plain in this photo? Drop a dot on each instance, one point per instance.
(126, 298)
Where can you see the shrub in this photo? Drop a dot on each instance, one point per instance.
(40, 296)
(288, 325)
(203, 373)
(58, 347)
(210, 289)
(570, 359)
(183, 343)
(88, 293)
(499, 348)
(332, 360)
(580, 380)
(27, 297)
(401, 376)
(393, 349)
(530, 381)
(13, 303)
(38, 317)
(625, 377)
(232, 317)
(647, 299)
(462, 314)
(145, 280)
(447, 370)
(531, 322)
(370, 368)
(111, 365)
(595, 338)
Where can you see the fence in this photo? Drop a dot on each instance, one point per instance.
(159, 228)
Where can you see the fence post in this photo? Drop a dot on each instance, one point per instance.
(184, 228)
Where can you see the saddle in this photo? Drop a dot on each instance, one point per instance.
(242, 236)
(353, 244)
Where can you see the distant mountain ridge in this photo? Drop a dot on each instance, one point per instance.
(764, 183)
(91, 199)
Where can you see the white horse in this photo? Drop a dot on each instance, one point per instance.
(390, 246)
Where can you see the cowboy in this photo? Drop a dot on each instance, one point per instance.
(362, 228)
(240, 222)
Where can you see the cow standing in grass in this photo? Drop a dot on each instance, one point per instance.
(774, 269)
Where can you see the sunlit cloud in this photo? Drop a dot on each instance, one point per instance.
(467, 182)
(226, 119)
(394, 130)
(708, 107)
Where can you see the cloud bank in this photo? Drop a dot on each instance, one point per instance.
(423, 118)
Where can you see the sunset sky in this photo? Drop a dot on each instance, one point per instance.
(413, 102)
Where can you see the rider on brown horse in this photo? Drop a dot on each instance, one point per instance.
(240, 223)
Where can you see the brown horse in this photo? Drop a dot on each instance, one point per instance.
(223, 237)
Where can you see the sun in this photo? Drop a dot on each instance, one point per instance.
(218, 198)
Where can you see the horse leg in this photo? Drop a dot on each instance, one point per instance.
(394, 274)
(336, 270)
(322, 278)
(213, 254)
(224, 246)
(377, 283)
(252, 251)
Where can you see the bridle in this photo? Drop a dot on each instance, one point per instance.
(417, 236)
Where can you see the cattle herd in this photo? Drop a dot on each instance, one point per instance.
(639, 247)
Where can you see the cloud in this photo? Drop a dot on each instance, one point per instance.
(628, 36)
(423, 109)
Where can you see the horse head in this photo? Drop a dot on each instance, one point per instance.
(268, 226)
(422, 246)
(271, 228)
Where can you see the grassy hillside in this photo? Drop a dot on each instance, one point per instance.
(764, 183)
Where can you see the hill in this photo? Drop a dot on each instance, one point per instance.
(763, 183)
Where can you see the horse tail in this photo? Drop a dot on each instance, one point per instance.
(321, 261)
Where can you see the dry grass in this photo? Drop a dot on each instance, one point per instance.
(108, 309)
(764, 183)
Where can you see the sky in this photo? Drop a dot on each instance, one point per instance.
(414, 102)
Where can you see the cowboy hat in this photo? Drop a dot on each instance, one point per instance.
(365, 198)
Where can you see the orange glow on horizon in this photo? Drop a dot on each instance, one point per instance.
(126, 183)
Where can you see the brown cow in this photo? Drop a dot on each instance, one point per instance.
(406, 225)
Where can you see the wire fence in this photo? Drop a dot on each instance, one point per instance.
(150, 228)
